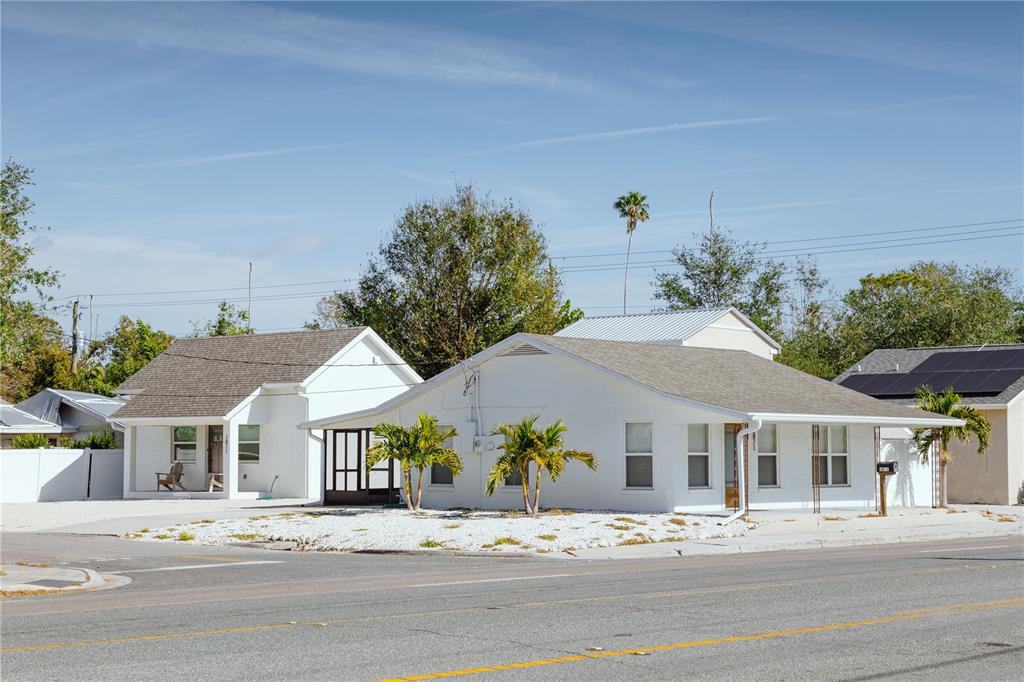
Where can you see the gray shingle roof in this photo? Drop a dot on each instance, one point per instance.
(209, 376)
(886, 360)
(732, 379)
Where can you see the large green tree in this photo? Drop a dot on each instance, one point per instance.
(724, 271)
(455, 276)
(24, 326)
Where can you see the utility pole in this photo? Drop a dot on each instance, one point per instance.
(249, 313)
(92, 332)
(74, 337)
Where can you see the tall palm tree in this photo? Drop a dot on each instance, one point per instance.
(419, 447)
(948, 404)
(544, 448)
(634, 208)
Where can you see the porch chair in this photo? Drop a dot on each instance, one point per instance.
(171, 478)
(214, 480)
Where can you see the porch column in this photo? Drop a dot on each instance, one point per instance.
(230, 460)
(129, 460)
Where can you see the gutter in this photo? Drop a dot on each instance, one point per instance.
(741, 469)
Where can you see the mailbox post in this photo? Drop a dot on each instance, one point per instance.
(885, 469)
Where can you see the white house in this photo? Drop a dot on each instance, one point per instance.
(664, 421)
(228, 408)
(706, 328)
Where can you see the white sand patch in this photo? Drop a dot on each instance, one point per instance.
(398, 529)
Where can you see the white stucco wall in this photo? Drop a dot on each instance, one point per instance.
(596, 407)
(911, 486)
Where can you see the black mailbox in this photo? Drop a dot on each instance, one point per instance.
(887, 467)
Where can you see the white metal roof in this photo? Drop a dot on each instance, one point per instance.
(655, 327)
(13, 420)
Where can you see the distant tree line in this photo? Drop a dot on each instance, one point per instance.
(460, 273)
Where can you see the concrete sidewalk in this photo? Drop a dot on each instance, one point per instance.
(116, 517)
(779, 531)
(30, 580)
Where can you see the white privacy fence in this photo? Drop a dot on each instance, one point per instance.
(53, 474)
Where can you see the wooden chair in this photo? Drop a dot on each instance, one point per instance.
(171, 478)
(214, 481)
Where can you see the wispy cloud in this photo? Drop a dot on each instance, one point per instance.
(302, 36)
(543, 197)
(234, 156)
(631, 132)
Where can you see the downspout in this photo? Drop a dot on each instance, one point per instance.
(741, 473)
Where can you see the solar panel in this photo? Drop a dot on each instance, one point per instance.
(939, 360)
(999, 380)
(963, 381)
(1012, 359)
(857, 382)
(970, 382)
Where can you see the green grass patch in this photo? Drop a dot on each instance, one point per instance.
(452, 525)
(547, 536)
(142, 530)
(630, 519)
(638, 539)
(559, 512)
(618, 526)
(185, 536)
(245, 537)
(164, 536)
(678, 521)
(672, 539)
(431, 543)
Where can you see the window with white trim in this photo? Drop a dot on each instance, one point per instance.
(766, 440)
(249, 443)
(833, 443)
(639, 455)
(698, 456)
(183, 444)
(442, 475)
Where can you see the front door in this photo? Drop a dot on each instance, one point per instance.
(215, 449)
(346, 480)
(732, 491)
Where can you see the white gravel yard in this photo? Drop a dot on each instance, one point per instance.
(496, 531)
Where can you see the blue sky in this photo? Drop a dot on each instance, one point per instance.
(175, 143)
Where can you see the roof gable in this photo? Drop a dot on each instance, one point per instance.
(663, 327)
(208, 376)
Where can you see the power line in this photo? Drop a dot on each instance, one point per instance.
(159, 304)
(615, 266)
(808, 239)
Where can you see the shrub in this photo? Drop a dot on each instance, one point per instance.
(430, 543)
(185, 536)
(97, 441)
(30, 441)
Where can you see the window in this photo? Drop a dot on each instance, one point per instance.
(249, 443)
(699, 475)
(515, 479)
(767, 443)
(639, 455)
(440, 475)
(832, 464)
(183, 444)
(698, 456)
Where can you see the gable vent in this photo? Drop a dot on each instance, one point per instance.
(525, 349)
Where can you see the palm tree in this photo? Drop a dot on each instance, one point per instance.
(525, 444)
(414, 447)
(634, 208)
(551, 456)
(948, 404)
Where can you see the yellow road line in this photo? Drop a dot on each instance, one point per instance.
(144, 638)
(906, 615)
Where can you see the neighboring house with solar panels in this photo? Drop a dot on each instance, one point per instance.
(989, 378)
(667, 423)
(702, 327)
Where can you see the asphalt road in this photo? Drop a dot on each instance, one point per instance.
(941, 611)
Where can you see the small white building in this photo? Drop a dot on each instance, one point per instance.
(664, 421)
(702, 327)
(75, 414)
(228, 409)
